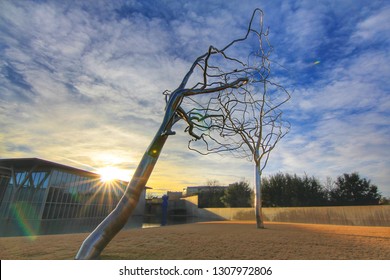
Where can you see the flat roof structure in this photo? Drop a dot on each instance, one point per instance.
(20, 163)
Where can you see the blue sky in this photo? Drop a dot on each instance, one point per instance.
(81, 83)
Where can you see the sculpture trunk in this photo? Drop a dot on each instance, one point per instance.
(258, 211)
(94, 244)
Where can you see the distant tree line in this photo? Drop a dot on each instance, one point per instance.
(286, 190)
(238, 194)
(211, 198)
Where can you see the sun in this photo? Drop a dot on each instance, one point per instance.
(111, 173)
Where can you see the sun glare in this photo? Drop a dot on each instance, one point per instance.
(111, 173)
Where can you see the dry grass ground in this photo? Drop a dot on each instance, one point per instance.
(218, 240)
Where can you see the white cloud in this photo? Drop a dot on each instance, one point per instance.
(84, 83)
(375, 27)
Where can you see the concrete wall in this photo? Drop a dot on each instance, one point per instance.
(378, 215)
(343, 215)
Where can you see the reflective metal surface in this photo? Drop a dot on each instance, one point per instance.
(114, 222)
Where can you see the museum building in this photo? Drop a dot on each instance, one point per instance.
(43, 197)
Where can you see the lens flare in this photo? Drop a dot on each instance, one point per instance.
(25, 216)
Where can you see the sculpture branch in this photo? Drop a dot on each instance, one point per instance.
(249, 121)
(223, 115)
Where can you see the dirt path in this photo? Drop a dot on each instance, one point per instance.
(217, 240)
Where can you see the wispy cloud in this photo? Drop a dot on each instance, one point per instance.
(374, 27)
(82, 82)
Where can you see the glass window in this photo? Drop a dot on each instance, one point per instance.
(60, 178)
(45, 211)
(65, 208)
(31, 180)
(35, 176)
(41, 178)
(54, 211)
(42, 195)
(70, 180)
(66, 180)
(18, 175)
(64, 177)
(45, 183)
(49, 195)
(69, 196)
(85, 185)
(57, 195)
(74, 189)
(54, 176)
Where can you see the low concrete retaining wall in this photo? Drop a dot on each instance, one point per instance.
(378, 215)
(342, 215)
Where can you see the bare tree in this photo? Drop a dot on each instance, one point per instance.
(215, 78)
(212, 183)
(247, 120)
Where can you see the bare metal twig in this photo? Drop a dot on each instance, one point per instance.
(234, 107)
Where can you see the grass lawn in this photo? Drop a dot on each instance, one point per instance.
(217, 240)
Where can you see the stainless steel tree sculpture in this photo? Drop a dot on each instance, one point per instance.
(233, 112)
(247, 120)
